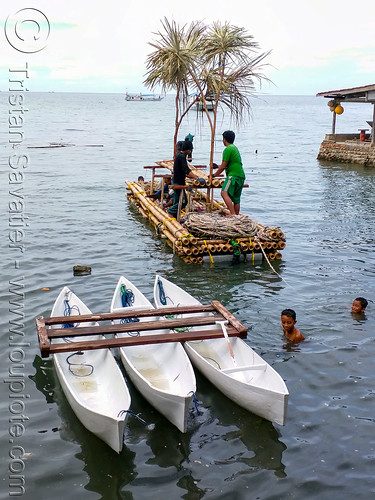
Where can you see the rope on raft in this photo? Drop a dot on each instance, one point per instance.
(237, 226)
(269, 263)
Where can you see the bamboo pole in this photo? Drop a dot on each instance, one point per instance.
(190, 247)
(175, 228)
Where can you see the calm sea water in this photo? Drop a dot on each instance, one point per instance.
(75, 211)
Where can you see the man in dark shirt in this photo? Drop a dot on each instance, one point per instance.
(181, 170)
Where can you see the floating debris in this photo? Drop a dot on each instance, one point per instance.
(81, 270)
(53, 145)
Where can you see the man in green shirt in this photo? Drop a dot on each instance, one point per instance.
(232, 164)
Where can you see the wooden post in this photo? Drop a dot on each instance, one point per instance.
(44, 342)
(334, 122)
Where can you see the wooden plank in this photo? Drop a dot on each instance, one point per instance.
(44, 342)
(168, 324)
(140, 313)
(139, 340)
(228, 316)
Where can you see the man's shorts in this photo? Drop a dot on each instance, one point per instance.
(233, 186)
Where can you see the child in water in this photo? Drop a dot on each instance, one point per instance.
(359, 305)
(288, 321)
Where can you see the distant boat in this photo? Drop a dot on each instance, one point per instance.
(144, 97)
(210, 102)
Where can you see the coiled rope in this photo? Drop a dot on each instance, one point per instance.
(70, 364)
(127, 300)
(68, 312)
(127, 296)
(162, 297)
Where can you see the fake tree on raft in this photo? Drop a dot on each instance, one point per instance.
(221, 62)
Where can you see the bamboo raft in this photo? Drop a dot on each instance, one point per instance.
(205, 231)
(48, 333)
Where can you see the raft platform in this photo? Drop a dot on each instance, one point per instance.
(205, 231)
(48, 330)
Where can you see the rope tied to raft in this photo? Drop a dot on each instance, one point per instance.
(236, 247)
(166, 220)
(252, 251)
(195, 401)
(209, 253)
(273, 269)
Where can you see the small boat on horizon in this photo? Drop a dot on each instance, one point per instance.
(198, 102)
(144, 97)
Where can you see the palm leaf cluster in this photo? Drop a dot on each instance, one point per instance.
(220, 62)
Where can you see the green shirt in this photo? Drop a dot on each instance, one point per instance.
(233, 157)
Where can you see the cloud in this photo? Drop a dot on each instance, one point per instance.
(105, 45)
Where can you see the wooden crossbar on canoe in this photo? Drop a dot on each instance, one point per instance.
(217, 310)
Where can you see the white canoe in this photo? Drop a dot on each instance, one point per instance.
(161, 372)
(247, 380)
(92, 380)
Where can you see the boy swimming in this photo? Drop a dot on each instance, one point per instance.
(359, 305)
(288, 321)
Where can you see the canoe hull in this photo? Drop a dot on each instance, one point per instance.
(260, 391)
(257, 387)
(153, 373)
(93, 383)
(162, 373)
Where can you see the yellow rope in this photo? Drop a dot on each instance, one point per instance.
(165, 220)
(273, 269)
(252, 250)
(209, 253)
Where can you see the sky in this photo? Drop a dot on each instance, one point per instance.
(102, 46)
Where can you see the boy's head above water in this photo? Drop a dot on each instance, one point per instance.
(288, 322)
(288, 319)
(359, 305)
